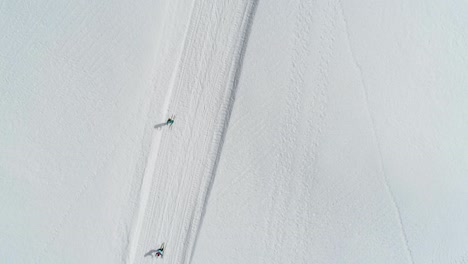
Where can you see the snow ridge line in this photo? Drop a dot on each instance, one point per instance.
(226, 110)
(146, 184)
(374, 132)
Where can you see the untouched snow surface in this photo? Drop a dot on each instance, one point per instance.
(305, 132)
(348, 141)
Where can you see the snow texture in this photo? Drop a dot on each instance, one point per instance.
(322, 131)
(348, 138)
(183, 161)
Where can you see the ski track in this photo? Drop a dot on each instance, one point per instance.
(249, 14)
(183, 161)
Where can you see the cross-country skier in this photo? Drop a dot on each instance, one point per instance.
(170, 121)
(160, 251)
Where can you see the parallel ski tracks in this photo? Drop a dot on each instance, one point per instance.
(182, 162)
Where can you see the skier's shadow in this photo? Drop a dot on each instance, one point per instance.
(159, 126)
(150, 253)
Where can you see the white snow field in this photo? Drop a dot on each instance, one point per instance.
(348, 140)
(76, 89)
(320, 131)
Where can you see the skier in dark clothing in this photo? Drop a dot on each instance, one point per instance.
(160, 251)
(170, 121)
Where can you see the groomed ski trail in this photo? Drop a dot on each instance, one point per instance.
(182, 162)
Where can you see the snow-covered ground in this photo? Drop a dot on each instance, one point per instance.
(348, 141)
(75, 88)
(182, 161)
(305, 132)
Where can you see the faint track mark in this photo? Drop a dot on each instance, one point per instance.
(374, 132)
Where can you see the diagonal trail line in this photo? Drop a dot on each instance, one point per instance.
(150, 167)
(183, 163)
(236, 69)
